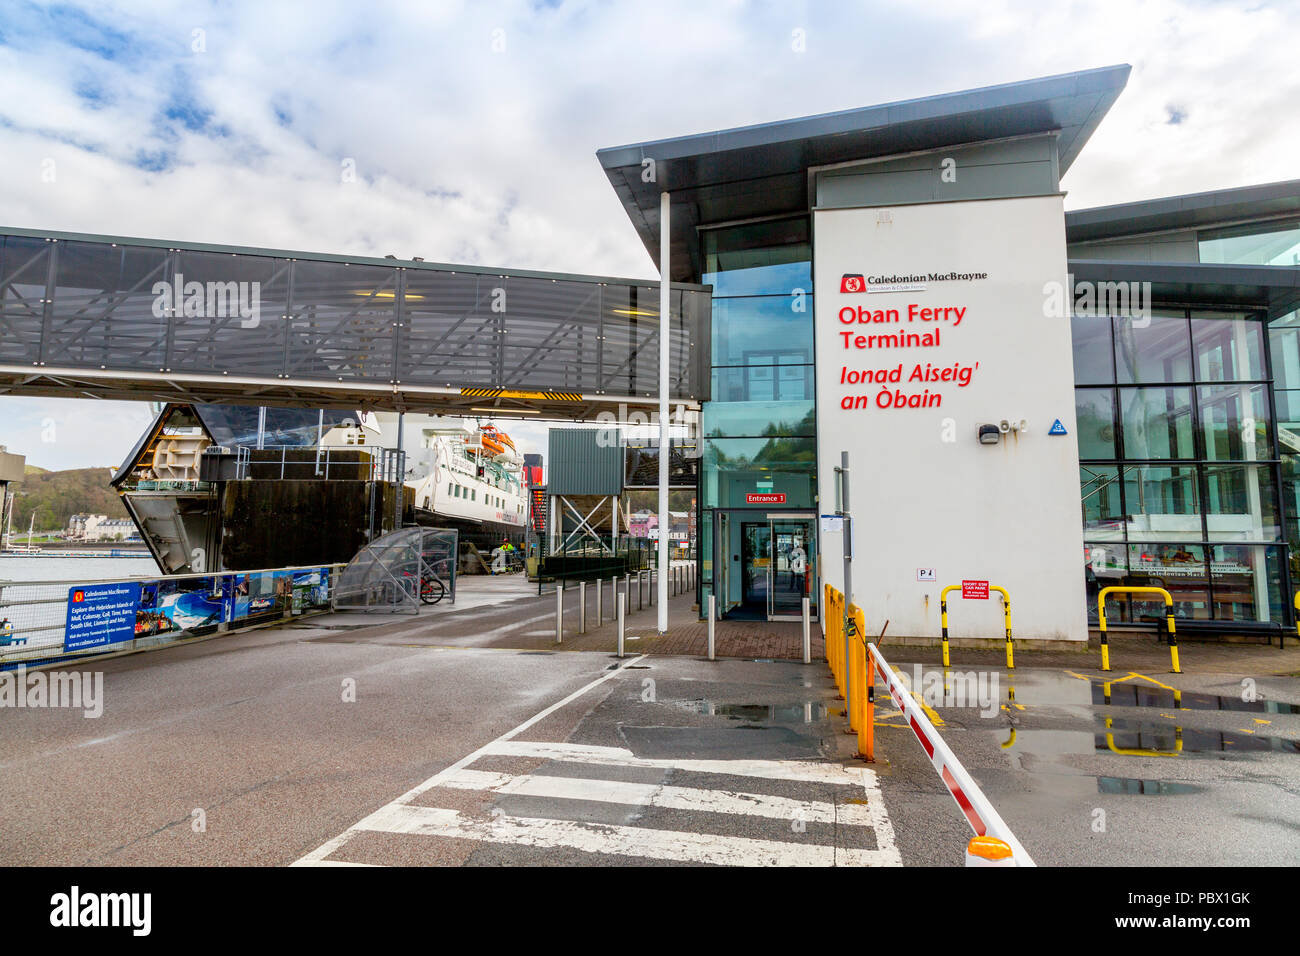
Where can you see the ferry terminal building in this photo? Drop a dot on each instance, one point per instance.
(1052, 402)
(1047, 401)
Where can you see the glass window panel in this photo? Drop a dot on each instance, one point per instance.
(1240, 503)
(1162, 503)
(1103, 514)
(1105, 564)
(242, 326)
(1179, 569)
(24, 269)
(341, 321)
(1274, 244)
(744, 419)
(764, 258)
(736, 467)
(110, 307)
(1093, 356)
(1228, 347)
(763, 383)
(1154, 349)
(1157, 422)
(1247, 583)
(1235, 422)
(762, 330)
(1288, 419)
(1284, 350)
(1095, 415)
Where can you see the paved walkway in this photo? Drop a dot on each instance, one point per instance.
(508, 613)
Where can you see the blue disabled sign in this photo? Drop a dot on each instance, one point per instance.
(101, 614)
(1057, 428)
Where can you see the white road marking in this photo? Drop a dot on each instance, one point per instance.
(803, 770)
(329, 846)
(658, 795)
(645, 842)
(401, 816)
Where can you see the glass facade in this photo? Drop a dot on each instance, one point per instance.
(758, 433)
(1179, 465)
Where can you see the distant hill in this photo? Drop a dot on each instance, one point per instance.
(56, 496)
(33, 470)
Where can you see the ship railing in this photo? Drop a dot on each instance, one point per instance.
(338, 462)
(53, 620)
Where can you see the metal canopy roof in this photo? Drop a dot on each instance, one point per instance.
(756, 171)
(1193, 210)
(1276, 288)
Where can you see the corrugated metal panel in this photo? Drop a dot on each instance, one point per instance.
(584, 461)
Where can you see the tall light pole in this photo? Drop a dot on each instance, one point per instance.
(665, 324)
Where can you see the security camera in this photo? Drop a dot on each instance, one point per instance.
(1004, 426)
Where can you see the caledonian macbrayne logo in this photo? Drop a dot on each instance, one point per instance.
(853, 282)
(78, 597)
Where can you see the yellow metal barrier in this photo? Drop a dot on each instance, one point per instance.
(864, 688)
(835, 638)
(1169, 621)
(1006, 616)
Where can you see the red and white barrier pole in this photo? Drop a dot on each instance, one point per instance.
(979, 813)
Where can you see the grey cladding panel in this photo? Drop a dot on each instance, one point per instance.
(584, 461)
(1025, 167)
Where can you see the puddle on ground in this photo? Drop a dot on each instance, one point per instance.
(1134, 785)
(1132, 738)
(1138, 695)
(805, 713)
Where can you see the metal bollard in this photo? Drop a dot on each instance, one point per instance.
(807, 632)
(600, 612)
(559, 613)
(613, 596)
(582, 607)
(713, 608)
(622, 619)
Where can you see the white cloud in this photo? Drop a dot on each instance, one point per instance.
(469, 153)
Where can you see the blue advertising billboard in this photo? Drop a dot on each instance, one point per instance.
(100, 614)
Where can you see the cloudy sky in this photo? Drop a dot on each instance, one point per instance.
(472, 127)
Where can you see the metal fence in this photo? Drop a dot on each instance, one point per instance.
(586, 557)
(46, 620)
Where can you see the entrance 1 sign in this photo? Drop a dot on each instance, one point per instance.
(765, 499)
(975, 590)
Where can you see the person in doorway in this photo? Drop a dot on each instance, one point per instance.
(798, 566)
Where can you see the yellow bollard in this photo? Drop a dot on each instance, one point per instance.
(854, 697)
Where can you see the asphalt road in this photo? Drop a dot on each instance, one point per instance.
(447, 756)
(473, 755)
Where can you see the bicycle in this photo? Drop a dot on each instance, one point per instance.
(432, 588)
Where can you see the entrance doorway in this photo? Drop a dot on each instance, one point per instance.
(766, 565)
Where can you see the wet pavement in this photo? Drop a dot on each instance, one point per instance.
(1122, 768)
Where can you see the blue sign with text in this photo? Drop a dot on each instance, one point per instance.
(101, 614)
(1057, 428)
